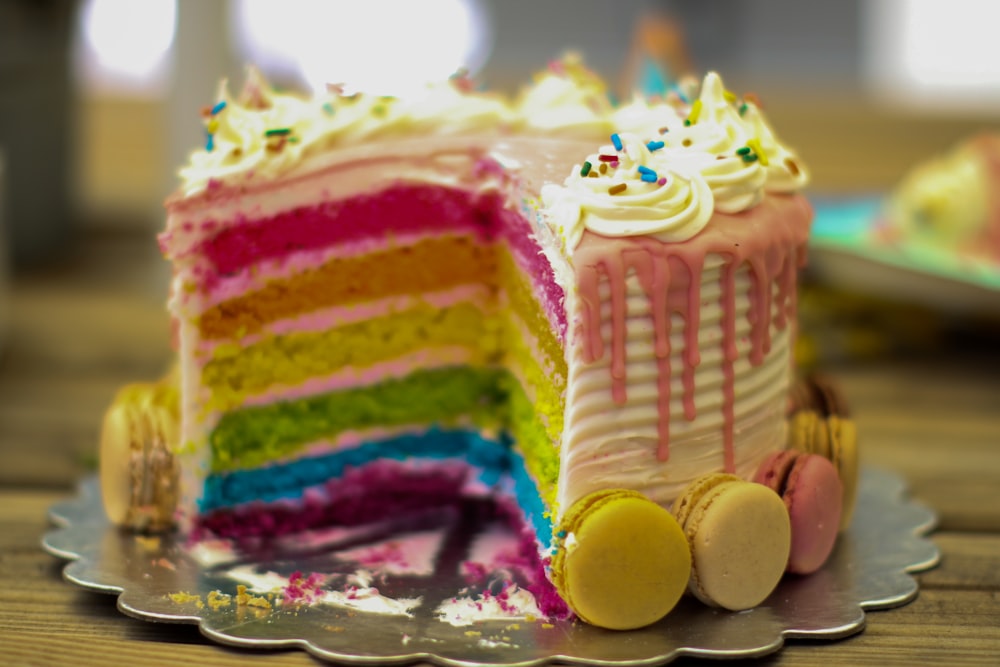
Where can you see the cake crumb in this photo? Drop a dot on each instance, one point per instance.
(148, 543)
(302, 589)
(165, 564)
(262, 603)
(217, 600)
(184, 597)
(244, 599)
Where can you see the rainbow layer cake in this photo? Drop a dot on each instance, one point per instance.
(384, 304)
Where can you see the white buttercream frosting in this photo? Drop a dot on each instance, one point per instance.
(723, 156)
(567, 99)
(674, 207)
(265, 133)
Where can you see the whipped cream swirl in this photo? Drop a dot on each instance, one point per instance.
(673, 205)
(714, 142)
(264, 132)
(718, 156)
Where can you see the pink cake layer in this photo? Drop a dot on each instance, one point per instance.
(403, 211)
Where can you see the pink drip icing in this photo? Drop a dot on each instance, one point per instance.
(590, 299)
(653, 272)
(692, 355)
(616, 276)
(729, 355)
(769, 239)
(765, 272)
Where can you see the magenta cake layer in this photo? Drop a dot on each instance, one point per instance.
(362, 495)
(518, 233)
(401, 209)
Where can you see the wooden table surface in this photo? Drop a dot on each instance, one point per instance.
(97, 321)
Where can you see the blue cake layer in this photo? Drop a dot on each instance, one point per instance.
(493, 462)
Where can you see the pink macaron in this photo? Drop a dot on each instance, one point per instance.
(813, 493)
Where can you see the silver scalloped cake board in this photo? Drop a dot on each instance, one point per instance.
(870, 569)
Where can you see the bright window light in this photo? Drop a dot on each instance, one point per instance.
(934, 54)
(377, 46)
(124, 45)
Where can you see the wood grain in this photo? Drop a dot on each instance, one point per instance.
(82, 329)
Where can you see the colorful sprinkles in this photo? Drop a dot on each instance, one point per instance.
(277, 137)
(617, 141)
(654, 145)
(746, 154)
(212, 126)
(585, 169)
(758, 150)
(462, 80)
(647, 175)
(694, 113)
(616, 189)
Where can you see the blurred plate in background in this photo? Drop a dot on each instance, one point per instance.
(845, 251)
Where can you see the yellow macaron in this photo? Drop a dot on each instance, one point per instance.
(844, 455)
(621, 560)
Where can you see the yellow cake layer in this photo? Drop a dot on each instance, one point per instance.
(431, 265)
(236, 372)
(522, 302)
(536, 401)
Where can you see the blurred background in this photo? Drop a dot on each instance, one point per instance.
(99, 99)
(99, 104)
